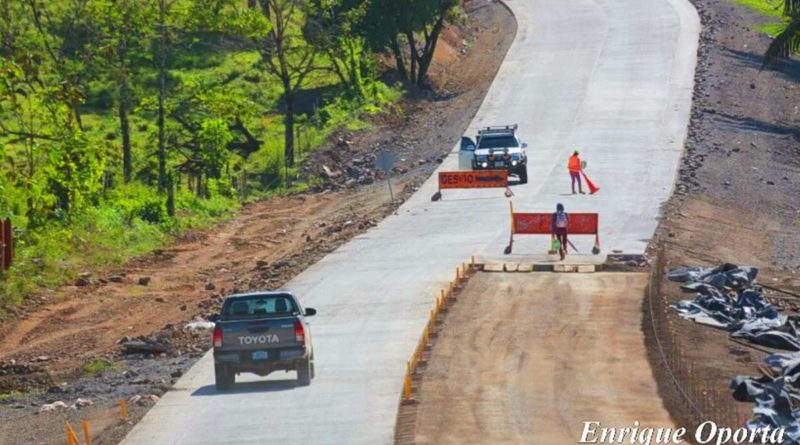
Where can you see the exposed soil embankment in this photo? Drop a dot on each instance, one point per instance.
(736, 201)
(528, 357)
(135, 317)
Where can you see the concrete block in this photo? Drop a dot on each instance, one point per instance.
(493, 267)
(511, 267)
(565, 268)
(525, 268)
(586, 268)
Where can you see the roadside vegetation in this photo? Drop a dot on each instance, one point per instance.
(787, 40)
(770, 10)
(100, 365)
(125, 122)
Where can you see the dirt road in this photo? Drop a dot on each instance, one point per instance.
(526, 358)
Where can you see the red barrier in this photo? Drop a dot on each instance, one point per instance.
(539, 224)
(6, 244)
(480, 179)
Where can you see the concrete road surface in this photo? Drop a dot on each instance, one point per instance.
(613, 77)
(528, 358)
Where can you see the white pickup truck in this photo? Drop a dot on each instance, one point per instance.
(495, 148)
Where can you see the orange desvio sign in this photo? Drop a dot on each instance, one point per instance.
(539, 224)
(474, 179)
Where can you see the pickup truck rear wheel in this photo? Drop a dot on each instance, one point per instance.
(304, 372)
(224, 378)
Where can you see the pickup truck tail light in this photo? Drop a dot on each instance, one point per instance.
(299, 332)
(217, 337)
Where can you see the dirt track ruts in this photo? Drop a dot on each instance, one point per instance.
(526, 358)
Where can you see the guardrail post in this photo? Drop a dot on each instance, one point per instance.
(407, 383)
(72, 439)
(86, 436)
(123, 410)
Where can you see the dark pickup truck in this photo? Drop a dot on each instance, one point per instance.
(261, 333)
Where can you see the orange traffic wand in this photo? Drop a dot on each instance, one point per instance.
(592, 188)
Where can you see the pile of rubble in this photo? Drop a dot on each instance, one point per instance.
(726, 297)
(774, 393)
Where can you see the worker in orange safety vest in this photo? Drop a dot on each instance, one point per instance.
(574, 167)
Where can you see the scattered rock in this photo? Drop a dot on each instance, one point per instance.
(115, 278)
(81, 403)
(160, 300)
(53, 406)
(210, 286)
(139, 346)
(81, 282)
(199, 325)
(261, 264)
(144, 281)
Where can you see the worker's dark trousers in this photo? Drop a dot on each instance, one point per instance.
(576, 177)
(561, 234)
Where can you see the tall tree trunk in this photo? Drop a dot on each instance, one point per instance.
(412, 49)
(398, 58)
(124, 122)
(199, 185)
(430, 47)
(288, 127)
(171, 195)
(125, 128)
(162, 86)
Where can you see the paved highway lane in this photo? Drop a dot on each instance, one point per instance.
(613, 77)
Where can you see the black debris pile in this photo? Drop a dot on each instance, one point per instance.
(725, 297)
(776, 395)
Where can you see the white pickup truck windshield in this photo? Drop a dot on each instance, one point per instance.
(498, 142)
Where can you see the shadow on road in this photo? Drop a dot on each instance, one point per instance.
(248, 387)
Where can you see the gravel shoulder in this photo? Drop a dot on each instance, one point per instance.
(736, 200)
(46, 344)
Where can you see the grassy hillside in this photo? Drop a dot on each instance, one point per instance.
(122, 219)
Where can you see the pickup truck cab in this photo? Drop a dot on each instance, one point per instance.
(261, 333)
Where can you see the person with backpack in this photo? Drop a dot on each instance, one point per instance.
(559, 226)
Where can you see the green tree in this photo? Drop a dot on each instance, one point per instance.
(287, 57)
(43, 51)
(125, 28)
(335, 27)
(787, 42)
(73, 172)
(413, 24)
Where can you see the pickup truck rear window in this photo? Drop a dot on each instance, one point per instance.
(258, 306)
